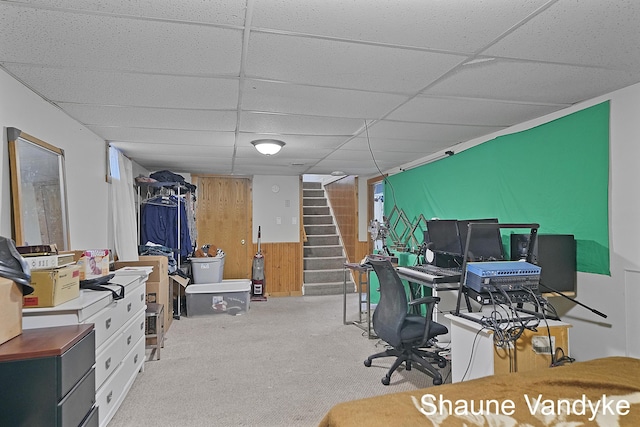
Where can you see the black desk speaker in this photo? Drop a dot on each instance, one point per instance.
(556, 256)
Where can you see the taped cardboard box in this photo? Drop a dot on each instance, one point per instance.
(158, 292)
(10, 310)
(159, 263)
(53, 287)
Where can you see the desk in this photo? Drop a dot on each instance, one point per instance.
(362, 281)
(473, 354)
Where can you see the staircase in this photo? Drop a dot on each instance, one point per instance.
(324, 256)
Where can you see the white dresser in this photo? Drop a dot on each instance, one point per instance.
(119, 336)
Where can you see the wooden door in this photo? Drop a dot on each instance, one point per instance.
(223, 218)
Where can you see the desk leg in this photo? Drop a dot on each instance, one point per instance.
(344, 297)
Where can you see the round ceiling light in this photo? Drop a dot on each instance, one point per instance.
(268, 147)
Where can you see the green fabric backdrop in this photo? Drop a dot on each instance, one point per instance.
(556, 175)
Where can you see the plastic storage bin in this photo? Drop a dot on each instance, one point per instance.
(229, 296)
(207, 269)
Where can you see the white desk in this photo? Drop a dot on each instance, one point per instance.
(474, 355)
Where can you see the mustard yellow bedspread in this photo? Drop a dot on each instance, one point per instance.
(602, 392)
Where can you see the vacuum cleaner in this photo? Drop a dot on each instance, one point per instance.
(257, 275)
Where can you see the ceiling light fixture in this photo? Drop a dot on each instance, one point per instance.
(268, 147)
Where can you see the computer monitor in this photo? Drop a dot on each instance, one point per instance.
(442, 236)
(555, 254)
(486, 241)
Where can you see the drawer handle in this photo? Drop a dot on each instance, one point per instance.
(129, 307)
(109, 397)
(107, 323)
(142, 326)
(107, 363)
(135, 359)
(129, 340)
(141, 297)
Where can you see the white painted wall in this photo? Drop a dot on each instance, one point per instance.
(276, 212)
(85, 158)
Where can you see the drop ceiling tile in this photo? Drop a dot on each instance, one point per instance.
(344, 65)
(126, 89)
(461, 25)
(377, 157)
(532, 82)
(161, 118)
(165, 136)
(298, 142)
(282, 124)
(226, 12)
(114, 43)
(592, 32)
(428, 132)
(289, 154)
(377, 145)
(310, 100)
(158, 151)
(468, 111)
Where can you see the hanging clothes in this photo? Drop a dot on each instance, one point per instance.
(159, 224)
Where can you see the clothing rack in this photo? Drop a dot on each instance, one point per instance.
(177, 186)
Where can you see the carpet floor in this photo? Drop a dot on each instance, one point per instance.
(285, 362)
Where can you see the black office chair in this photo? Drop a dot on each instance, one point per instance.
(407, 334)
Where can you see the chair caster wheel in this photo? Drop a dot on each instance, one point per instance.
(442, 363)
(437, 381)
(386, 380)
(367, 363)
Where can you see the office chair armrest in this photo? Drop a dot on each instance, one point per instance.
(424, 300)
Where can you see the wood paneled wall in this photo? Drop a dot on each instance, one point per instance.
(282, 268)
(343, 197)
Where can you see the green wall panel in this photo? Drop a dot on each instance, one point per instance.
(556, 174)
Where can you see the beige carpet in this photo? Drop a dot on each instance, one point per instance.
(284, 363)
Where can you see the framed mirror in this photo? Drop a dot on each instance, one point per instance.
(38, 191)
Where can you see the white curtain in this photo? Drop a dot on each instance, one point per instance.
(124, 211)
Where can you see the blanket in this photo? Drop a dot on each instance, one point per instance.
(602, 392)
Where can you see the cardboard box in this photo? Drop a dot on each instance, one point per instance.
(10, 310)
(160, 264)
(93, 263)
(53, 287)
(158, 292)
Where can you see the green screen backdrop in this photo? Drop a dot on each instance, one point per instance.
(556, 175)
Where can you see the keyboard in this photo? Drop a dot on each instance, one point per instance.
(430, 273)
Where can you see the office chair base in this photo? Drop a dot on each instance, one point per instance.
(409, 356)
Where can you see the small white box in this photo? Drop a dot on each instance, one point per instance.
(207, 269)
(229, 296)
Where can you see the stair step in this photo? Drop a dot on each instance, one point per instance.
(311, 185)
(322, 240)
(320, 229)
(322, 251)
(321, 263)
(323, 276)
(333, 288)
(314, 201)
(317, 219)
(313, 192)
(315, 210)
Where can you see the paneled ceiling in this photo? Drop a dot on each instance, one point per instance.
(356, 86)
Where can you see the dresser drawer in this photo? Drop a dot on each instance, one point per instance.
(92, 419)
(133, 331)
(75, 363)
(110, 395)
(108, 359)
(106, 322)
(78, 403)
(133, 301)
